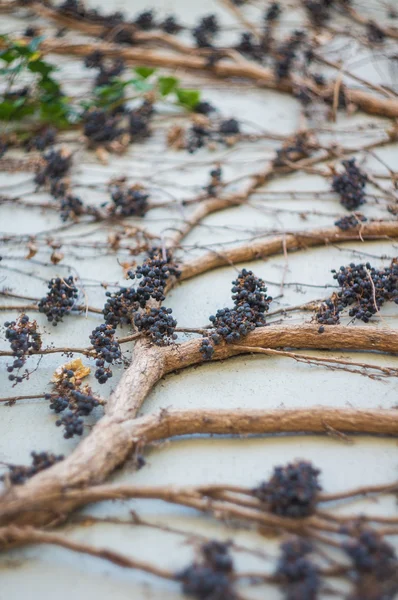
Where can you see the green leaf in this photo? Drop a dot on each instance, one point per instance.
(188, 98)
(144, 72)
(49, 86)
(15, 109)
(8, 55)
(39, 66)
(167, 85)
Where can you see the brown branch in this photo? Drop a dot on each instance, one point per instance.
(360, 491)
(42, 499)
(258, 249)
(310, 359)
(262, 76)
(17, 536)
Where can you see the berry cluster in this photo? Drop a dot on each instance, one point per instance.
(205, 31)
(350, 185)
(318, 11)
(301, 147)
(100, 127)
(230, 324)
(71, 208)
(273, 12)
(291, 491)
(18, 474)
(157, 324)
(286, 55)
(138, 121)
(80, 402)
(298, 575)
(153, 276)
(170, 25)
(210, 579)
(59, 300)
(145, 20)
(364, 289)
(24, 339)
(72, 424)
(203, 132)
(375, 567)
(371, 554)
(106, 70)
(375, 34)
(76, 9)
(215, 181)
(130, 202)
(58, 163)
(107, 350)
(350, 222)
(42, 139)
(250, 47)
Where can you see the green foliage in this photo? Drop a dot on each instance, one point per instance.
(188, 98)
(114, 93)
(43, 98)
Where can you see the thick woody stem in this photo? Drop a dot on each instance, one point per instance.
(386, 107)
(46, 498)
(258, 249)
(115, 436)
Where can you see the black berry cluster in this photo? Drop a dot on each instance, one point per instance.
(107, 351)
(107, 71)
(286, 55)
(18, 474)
(205, 31)
(273, 12)
(210, 579)
(130, 202)
(230, 324)
(24, 339)
(318, 11)
(42, 139)
(145, 20)
(120, 306)
(204, 108)
(203, 131)
(364, 289)
(350, 222)
(157, 324)
(375, 34)
(375, 567)
(100, 127)
(215, 181)
(57, 164)
(298, 575)
(291, 491)
(139, 120)
(59, 187)
(229, 127)
(60, 299)
(72, 424)
(170, 25)
(350, 185)
(301, 147)
(153, 275)
(77, 9)
(249, 46)
(80, 402)
(71, 208)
